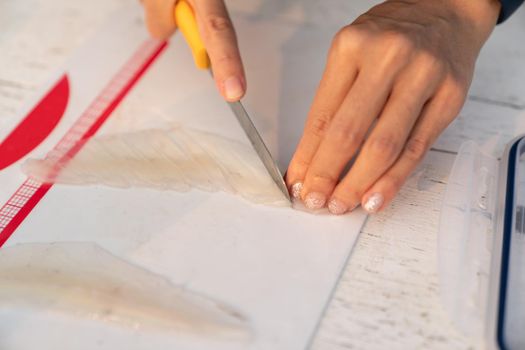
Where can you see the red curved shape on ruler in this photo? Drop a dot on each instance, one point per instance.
(37, 125)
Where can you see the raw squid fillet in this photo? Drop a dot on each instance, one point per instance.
(176, 159)
(84, 280)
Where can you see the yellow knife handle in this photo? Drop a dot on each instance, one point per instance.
(187, 24)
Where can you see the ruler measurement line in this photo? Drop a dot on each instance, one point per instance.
(29, 194)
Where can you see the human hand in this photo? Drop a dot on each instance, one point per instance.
(217, 33)
(394, 79)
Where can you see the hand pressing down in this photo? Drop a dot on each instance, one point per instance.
(217, 33)
(394, 79)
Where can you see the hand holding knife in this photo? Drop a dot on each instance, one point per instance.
(187, 24)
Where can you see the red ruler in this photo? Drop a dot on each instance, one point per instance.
(42, 119)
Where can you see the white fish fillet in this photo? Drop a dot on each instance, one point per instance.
(87, 281)
(175, 159)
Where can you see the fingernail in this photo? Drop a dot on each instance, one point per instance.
(296, 190)
(374, 202)
(314, 200)
(335, 206)
(233, 88)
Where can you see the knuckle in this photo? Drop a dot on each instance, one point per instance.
(218, 23)
(348, 138)
(351, 194)
(340, 40)
(319, 124)
(299, 164)
(296, 171)
(159, 22)
(453, 93)
(391, 183)
(456, 88)
(345, 40)
(433, 66)
(156, 32)
(324, 178)
(223, 58)
(384, 147)
(398, 43)
(416, 148)
(159, 29)
(160, 32)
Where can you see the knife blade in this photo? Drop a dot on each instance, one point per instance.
(186, 23)
(259, 146)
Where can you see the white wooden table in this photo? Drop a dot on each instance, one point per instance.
(388, 295)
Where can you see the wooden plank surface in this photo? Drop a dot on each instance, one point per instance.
(388, 295)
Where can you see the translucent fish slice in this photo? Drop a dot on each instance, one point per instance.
(84, 280)
(176, 158)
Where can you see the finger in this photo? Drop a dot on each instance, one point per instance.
(339, 75)
(345, 135)
(220, 40)
(435, 117)
(159, 17)
(413, 88)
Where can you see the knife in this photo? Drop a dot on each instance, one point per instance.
(187, 24)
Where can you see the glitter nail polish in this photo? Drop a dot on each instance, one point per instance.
(337, 207)
(374, 202)
(296, 190)
(314, 200)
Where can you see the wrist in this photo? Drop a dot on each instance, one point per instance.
(481, 15)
